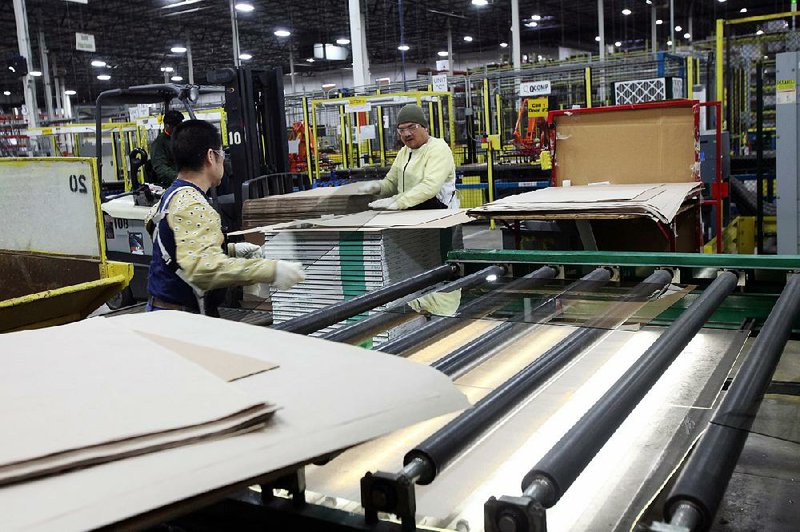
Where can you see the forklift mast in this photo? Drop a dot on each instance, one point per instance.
(256, 124)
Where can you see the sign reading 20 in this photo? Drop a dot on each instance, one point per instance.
(78, 184)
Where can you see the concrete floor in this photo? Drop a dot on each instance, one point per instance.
(479, 236)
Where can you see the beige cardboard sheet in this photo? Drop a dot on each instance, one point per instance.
(91, 392)
(641, 146)
(222, 363)
(332, 396)
(373, 221)
(659, 201)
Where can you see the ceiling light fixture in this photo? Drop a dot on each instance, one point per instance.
(503, 45)
(328, 86)
(678, 28)
(532, 24)
(659, 22)
(442, 53)
(480, 2)
(759, 32)
(404, 47)
(167, 69)
(536, 17)
(244, 7)
(245, 57)
(618, 44)
(310, 60)
(626, 11)
(743, 10)
(178, 49)
(35, 73)
(282, 33)
(467, 38)
(669, 43)
(104, 77)
(70, 92)
(6, 93)
(176, 78)
(181, 4)
(342, 41)
(98, 63)
(597, 38)
(687, 35)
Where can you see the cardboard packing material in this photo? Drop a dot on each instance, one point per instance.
(73, 402)
(332, 396)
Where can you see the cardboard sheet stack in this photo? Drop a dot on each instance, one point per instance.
(347, 256)
(305, 204)
(73, 401)
(658, 201)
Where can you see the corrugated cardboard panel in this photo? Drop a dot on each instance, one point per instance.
(630, 146)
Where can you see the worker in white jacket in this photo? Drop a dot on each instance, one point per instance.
(423, 175)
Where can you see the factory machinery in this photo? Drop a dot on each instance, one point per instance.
(609, 391)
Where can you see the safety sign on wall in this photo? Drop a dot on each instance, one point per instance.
(358, 105)
(537, 108)
(785, 91)
(534, 88)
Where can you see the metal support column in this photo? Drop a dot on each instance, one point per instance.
(601, 29)
(788, 164)
(291, 69)
(189, 61)
(653, 28)
(235, 34)
(516, 53)
(45, 66)
(357, 44)
(451, 62)
(760, 163)
(672, 25)
(314, 321)
(24, 43)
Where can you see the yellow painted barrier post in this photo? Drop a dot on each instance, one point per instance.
(718, 67)
(488, 129)
(587, 77)
(451, 119)
(307, 139)
(343, 139)
(689, 77)
(380, 133)
(440, 117)
(431, 121)
(498, 114)
(314, 136)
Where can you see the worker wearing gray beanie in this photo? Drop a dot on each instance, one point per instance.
(423, 174)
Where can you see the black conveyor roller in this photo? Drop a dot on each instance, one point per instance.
(696, 495)
(398, 313)
(319, 319)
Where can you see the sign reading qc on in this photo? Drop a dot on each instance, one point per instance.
(534, 88)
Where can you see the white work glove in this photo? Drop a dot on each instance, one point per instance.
(246, 250)
(389, 204)
(369, 187)
(288, 274)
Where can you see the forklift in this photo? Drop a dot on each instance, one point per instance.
(258, 163)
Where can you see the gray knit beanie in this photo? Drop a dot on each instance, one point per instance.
(412, 113)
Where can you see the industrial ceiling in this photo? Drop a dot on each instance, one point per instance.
(134, 38)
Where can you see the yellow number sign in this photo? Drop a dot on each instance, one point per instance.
(537, 107)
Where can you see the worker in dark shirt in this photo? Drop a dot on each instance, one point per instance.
(162, 162)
